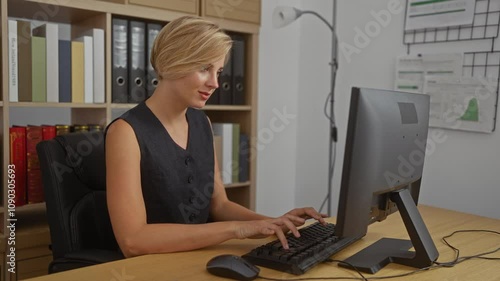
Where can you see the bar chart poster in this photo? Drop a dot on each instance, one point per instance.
(466, 103)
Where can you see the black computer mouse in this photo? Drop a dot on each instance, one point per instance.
(233, 267)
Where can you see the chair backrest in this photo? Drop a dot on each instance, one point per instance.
(74, 183)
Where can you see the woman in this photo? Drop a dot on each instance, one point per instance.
(164, 189)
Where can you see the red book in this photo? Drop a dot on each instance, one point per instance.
(17, 136)
(48, 132)
(33, 137)
(34, 188)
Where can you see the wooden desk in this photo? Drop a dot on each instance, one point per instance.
(191, 265)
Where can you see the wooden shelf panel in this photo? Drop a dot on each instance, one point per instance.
(56, 105)
(241, 195)
(116, 1)
(240, 117)
(37, 207)
(248, 11)
(237, 185)
(228, 107)
(31, 217)
(186, 6)
(123, 105)
(52, 10)
(208, 107)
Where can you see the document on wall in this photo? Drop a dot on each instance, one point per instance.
(411, 70)
(422, 14)
(464, 103)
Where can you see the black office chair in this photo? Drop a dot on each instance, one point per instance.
(74, 182)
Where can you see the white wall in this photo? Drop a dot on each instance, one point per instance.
(460, 174)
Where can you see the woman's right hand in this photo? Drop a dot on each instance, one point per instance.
(264, 228)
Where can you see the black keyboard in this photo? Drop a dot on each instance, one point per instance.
(316, 244)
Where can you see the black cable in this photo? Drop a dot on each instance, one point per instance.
(334, 136)
(330, 118)
(458, 259)
(350, 265)
(404, 274)
(363, 278)
(311, 278)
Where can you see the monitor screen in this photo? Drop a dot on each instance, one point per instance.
(382, 172)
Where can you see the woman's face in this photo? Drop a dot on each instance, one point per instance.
(195, 88)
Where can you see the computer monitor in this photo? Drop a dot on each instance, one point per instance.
(382, 173)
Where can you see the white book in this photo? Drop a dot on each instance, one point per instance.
(88, 68)
(51, 33)
(13, 70)
(98, 62)
(226, 131)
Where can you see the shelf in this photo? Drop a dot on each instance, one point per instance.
(31, 216)
(208, 107)
(78, 10)
(36, 207)
(32, 230)
(56, 105)
(228, 107)
(238, 184)
(52, 10)
(74, 9)
(123, 105)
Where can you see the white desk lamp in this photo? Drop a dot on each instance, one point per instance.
(283, 16)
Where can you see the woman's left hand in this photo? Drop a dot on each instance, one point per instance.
(299, 216)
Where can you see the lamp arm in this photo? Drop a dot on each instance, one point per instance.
(320, 17)
(330, 100)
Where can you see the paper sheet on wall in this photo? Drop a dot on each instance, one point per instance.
(411, 70)
(422, 14)
(465, 103)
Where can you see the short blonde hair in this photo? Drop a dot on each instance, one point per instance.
(187, 44)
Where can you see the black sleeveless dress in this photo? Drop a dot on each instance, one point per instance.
(177, 184)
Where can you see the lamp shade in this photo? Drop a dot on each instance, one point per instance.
(283, 16)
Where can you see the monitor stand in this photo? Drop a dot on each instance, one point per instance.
(387, 250)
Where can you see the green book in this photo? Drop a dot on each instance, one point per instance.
(235, 175)
(39, 69)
